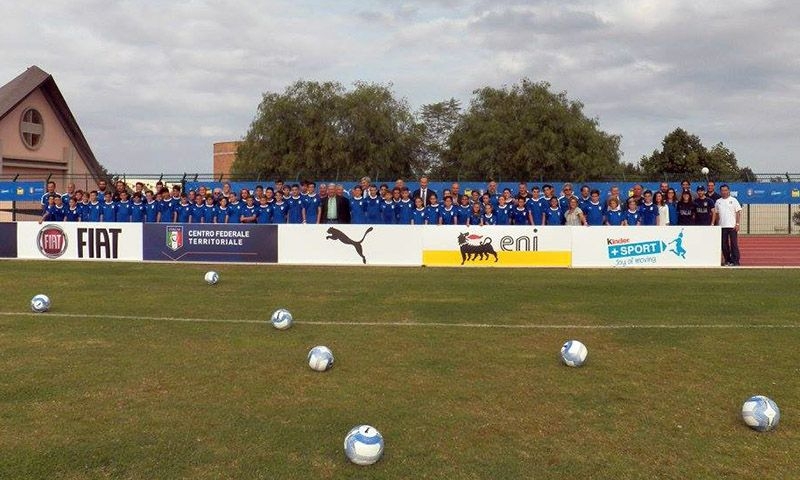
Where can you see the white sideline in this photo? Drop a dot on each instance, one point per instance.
(408, 324)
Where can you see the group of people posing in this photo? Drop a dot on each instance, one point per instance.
(368, 203)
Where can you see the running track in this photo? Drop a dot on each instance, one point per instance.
(770, 250)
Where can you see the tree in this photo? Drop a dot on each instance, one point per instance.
(322, 131)
(439, 121)
(683, 155)
(527, 132)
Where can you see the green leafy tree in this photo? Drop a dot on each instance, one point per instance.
(528, 132)
(439, 120)
(322, 131)
(683, 155)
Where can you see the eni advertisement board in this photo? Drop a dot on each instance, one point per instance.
(523, 246)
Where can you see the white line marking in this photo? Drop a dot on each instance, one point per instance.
(407, 324)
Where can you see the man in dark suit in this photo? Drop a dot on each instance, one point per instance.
(335, 208)
(424, 192)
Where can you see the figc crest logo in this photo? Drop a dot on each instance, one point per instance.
(174, 239)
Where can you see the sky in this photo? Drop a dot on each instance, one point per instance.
(153, 84)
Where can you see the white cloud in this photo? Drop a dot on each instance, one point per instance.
(153, 84)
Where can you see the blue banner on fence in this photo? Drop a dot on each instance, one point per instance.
(8, 240)
(769, 193)
(21, 191)
(210, 243)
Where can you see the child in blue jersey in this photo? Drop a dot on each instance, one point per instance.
(432, 211)
(83, 207)
(93, 211)
(463, 210)
(358, 214)
(311, 204)
(108, 209)
(166, 209)
(594, 209)
(183, 213)
(264, 211)
(649, 210)
(72, 213)
(221, 211)
(536, 207)
(418, 215)
(372, 206)
(614, 213)
(387, 209)
(54, 211)
(234, 209)
(553, 215)
(396, 197)
(198, 209)
(279, 208)
(489, 218)
(519, 214)
(124, 208)
(137, 208)
(294, 205)
(210, 210)
(249, 212)
(404, 207)
(633, 215)
(502, 212)
(150, 207)
(447, 214)
(475, 215)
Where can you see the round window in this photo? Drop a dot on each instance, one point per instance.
(31, 128)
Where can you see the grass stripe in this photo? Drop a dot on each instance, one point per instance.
(414, 324)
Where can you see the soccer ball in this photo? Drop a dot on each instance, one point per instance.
(281, 319)
(211, 277)
(573, 353)
(761, 413)
(704, 170)
(363, 445)
(40, 303)
(320, 358)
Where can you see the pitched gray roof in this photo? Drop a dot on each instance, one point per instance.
(15, 91)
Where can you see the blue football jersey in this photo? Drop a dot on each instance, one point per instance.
(184, 212)
(310, 204)
(124, 211)
(447, 216)
(151, 212)
(358, 211)
(649, 214)
(615, 217)
(520, 216)
(594, 213)
(632, 218)
(418, 216)
(109, 211)
(554, 216)
(279, 211)
(295, 209)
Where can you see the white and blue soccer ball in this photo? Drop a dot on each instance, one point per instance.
(363, 445)
(761, 413)
(281, 319)
(320, 358)
(573, 353)
(212, 277)
(40, 303)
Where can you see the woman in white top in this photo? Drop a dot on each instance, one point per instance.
(574, 216)
(663, 209)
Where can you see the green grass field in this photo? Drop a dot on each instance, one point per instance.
(109, 384)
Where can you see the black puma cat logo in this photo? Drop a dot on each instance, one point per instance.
(336, 234)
